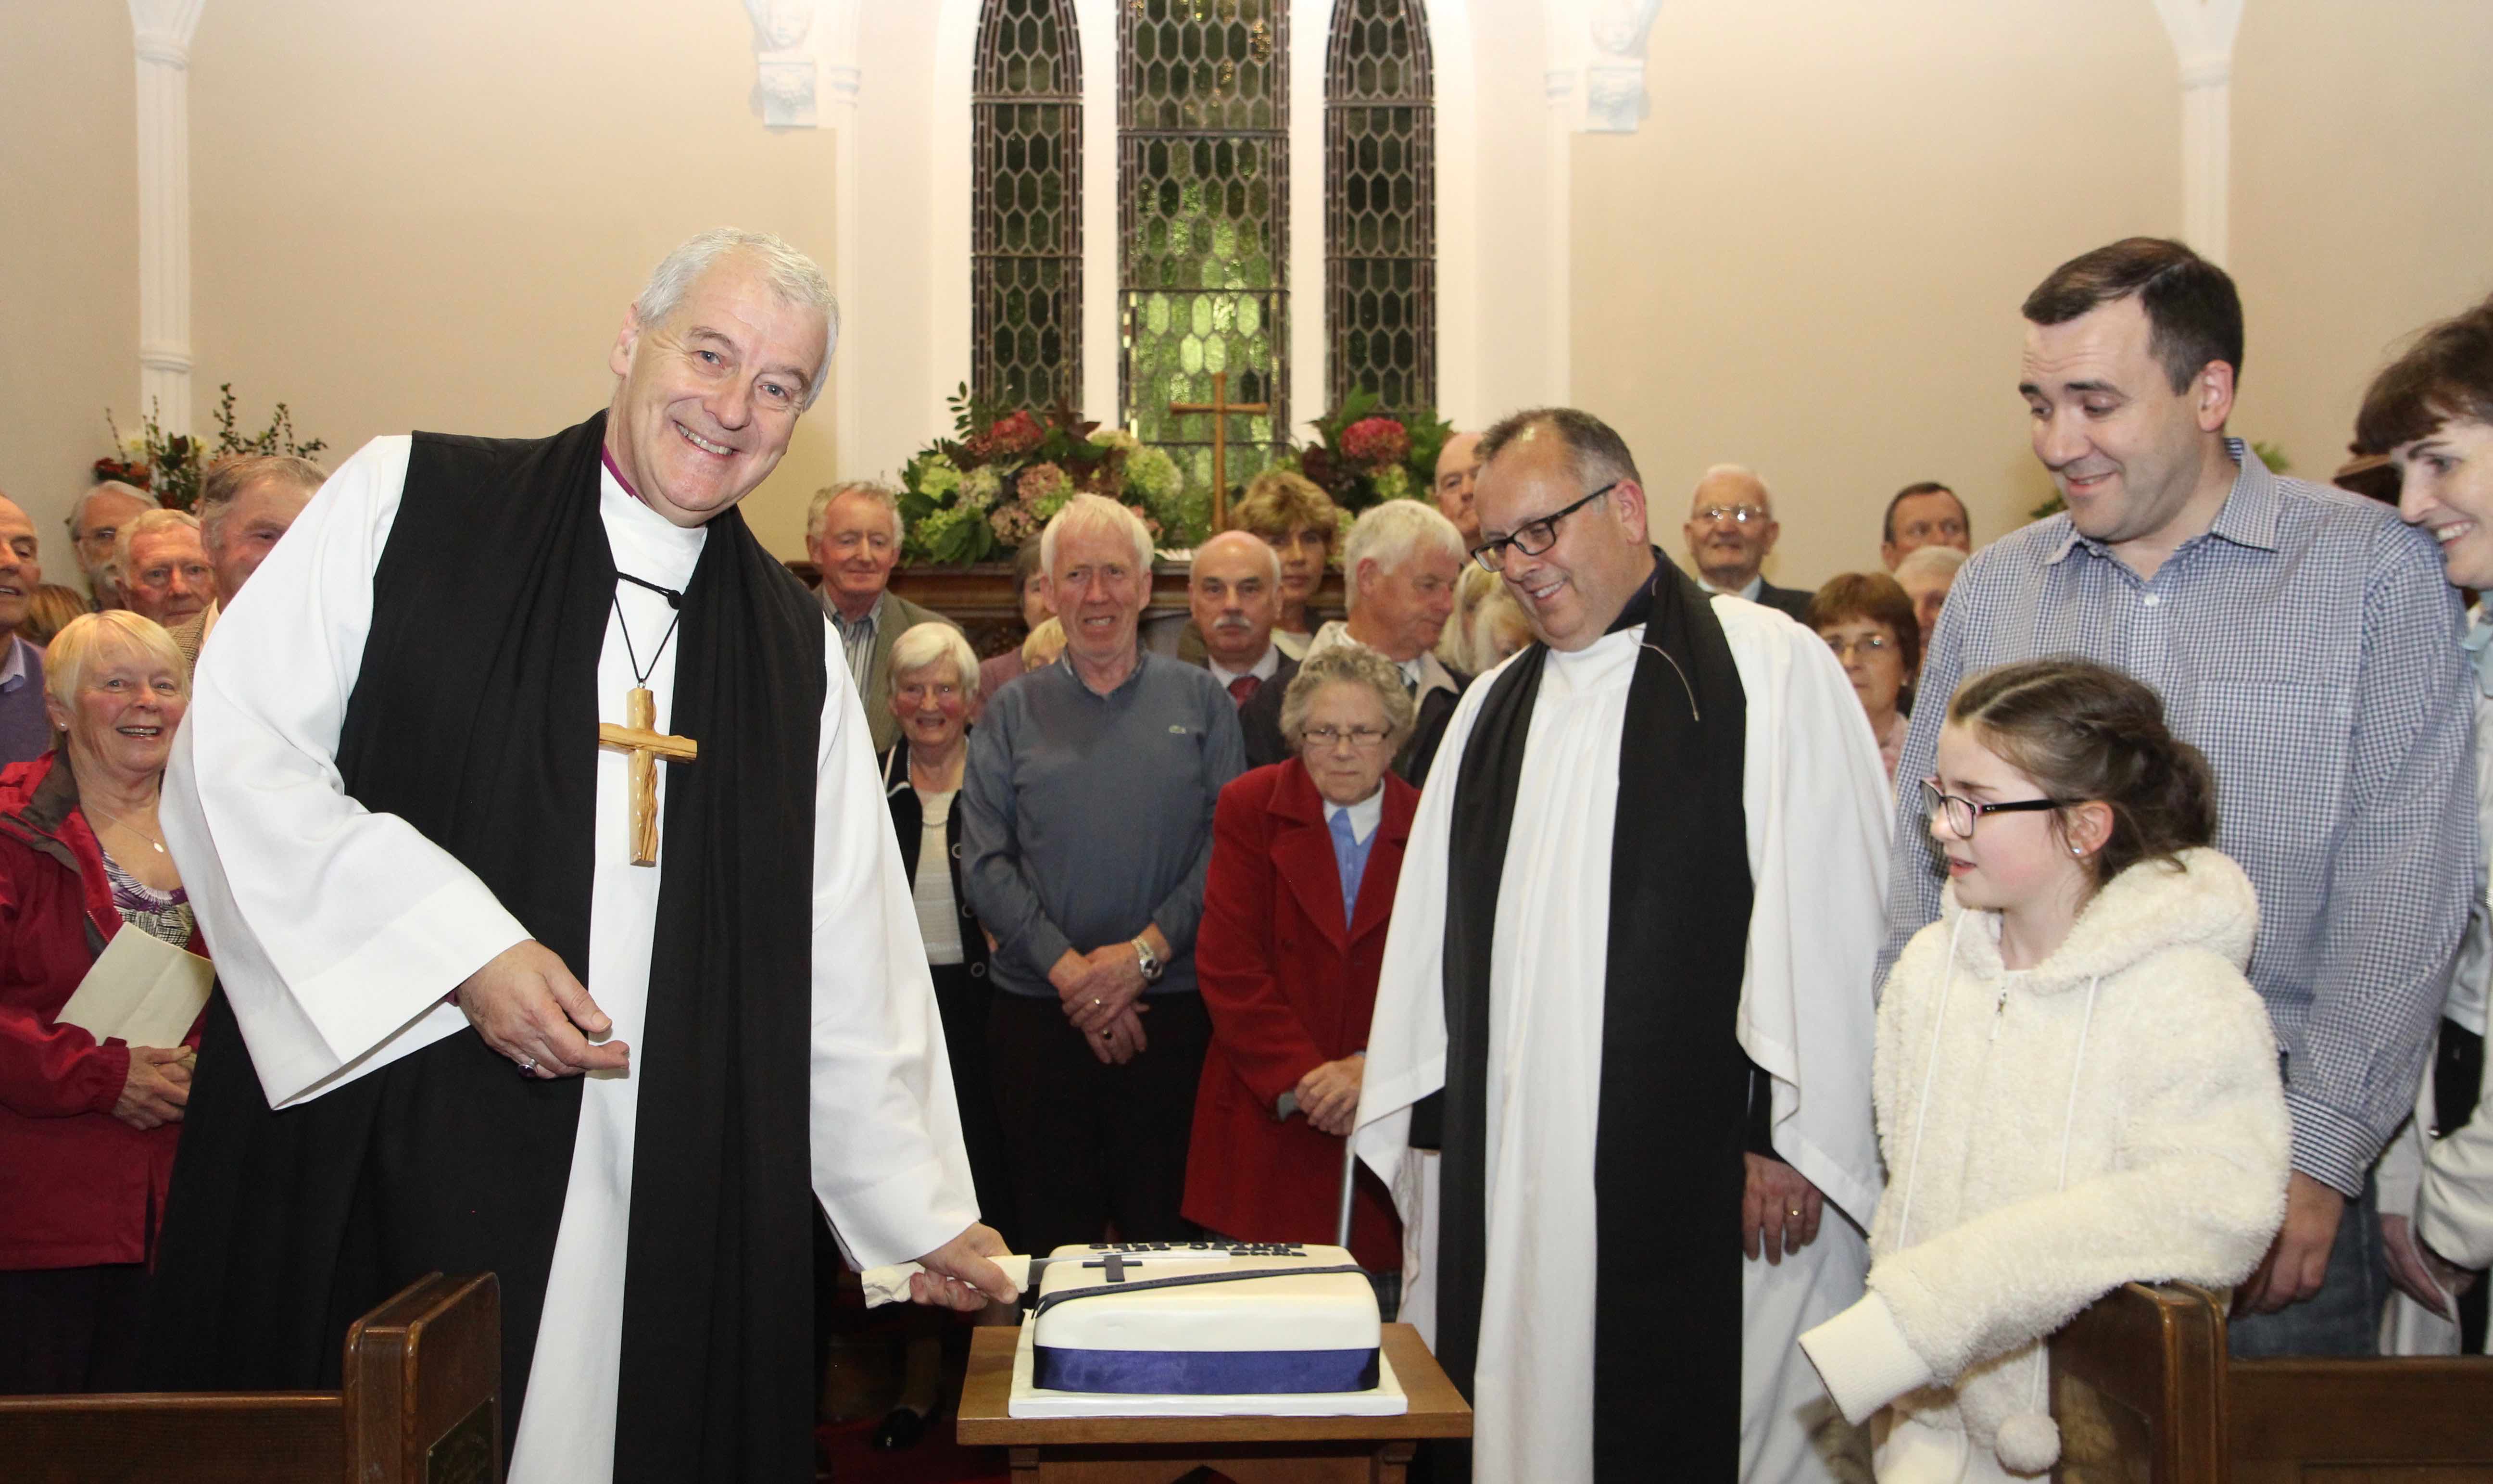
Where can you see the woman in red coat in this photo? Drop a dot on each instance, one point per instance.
(1304, 859)
(87, 1130)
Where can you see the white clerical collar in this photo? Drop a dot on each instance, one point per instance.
(653, 540)
(1365, 815)
(1263, 669)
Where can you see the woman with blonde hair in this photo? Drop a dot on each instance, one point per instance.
(1300, 522)
(87, 1127)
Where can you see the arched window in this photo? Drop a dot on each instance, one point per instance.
(1203, 248)
(1026, 208)
(1380, 204)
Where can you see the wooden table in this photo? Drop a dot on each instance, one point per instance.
(1251, 1450)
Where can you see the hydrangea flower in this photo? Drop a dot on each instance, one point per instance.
(1376, 443)
(980, 487)
(1153, 475)
(1044, 488)
(938, 480)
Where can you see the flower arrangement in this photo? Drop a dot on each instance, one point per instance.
(1364, 457)
(992, 486)
(170, 465)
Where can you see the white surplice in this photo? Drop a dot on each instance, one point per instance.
(338, 931)
(1817, 825)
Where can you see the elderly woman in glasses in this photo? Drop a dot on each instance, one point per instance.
(1305, 856)
(1867, 620)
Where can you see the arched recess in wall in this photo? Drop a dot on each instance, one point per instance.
(1381, 204)
(1026, 207)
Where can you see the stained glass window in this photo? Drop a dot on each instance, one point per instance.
(1026, 253)
(1203, 248)
(1380, 204)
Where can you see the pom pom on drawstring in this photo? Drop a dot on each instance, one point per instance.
(2029, 1442)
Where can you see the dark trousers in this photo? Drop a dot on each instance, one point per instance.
(962, 997)
(71, 1329)
(2342, 1319)
(1093, 1144)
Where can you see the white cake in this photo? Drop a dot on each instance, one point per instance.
(1203, 1318)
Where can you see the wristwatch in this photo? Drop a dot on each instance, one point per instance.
(1153, 968)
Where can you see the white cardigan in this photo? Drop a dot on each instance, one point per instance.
(2112, 1115)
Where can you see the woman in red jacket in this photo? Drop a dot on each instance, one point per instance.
(1304, 855)
(87, 1131)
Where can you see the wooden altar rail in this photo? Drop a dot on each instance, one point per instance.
(2144, 1391)
(421, 1404)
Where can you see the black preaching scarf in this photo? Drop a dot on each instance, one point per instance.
(474, 719)
(1667, 1163)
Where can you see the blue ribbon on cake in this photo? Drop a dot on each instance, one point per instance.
(1204, 1372)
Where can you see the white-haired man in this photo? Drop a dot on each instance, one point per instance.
(94, 528)
(1926, 574)
(1087, 831)
(1627, 994)
(853, 533)
(1731, 529)
(392, 822)
(1399, 565)
(162, 570)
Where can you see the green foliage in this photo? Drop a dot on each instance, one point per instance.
(171, 465)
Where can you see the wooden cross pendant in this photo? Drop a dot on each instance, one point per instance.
(640, 736)
(1221, 409)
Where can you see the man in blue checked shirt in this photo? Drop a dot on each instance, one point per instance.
(2302, 638)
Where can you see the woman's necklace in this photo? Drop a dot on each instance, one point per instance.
(153, 843)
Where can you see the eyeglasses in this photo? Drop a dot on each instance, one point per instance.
(1737, 515)
(1361, 737)
(1867, 643)
(1963, 815)
(1534, 536)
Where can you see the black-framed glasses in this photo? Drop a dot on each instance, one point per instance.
(1534, 536)
(1963, 815)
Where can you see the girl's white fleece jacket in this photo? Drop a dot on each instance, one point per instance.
(2112, 1115)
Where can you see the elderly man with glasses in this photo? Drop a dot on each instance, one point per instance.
(1731, 529)
(1652, 858)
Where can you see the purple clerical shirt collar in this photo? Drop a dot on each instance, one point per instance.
(607, 457)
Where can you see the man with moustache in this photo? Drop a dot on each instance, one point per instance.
(25, 730)
(399, 824)
(2304, 640)
(1730, 530)
(1627, 993)
(94, 528)
(1235, 593)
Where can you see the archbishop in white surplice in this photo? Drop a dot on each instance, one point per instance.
(1816, 802)
(341, 927)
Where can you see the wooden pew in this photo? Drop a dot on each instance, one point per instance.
(2138, 1388)
(421, 1405)
(2146, 1393)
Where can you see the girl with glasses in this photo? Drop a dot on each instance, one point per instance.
(2076, 1087)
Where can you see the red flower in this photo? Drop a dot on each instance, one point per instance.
(1376, 443)
(1018, 434)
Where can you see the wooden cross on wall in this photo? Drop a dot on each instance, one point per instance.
(1220, 410)
(640, 736)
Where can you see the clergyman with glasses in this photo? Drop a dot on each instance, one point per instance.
(1305, 854)
(1730, 530)
(1627, 994)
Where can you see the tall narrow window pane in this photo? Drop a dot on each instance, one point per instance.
(1380, 204)
(1025, 255)
(1203, 178)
